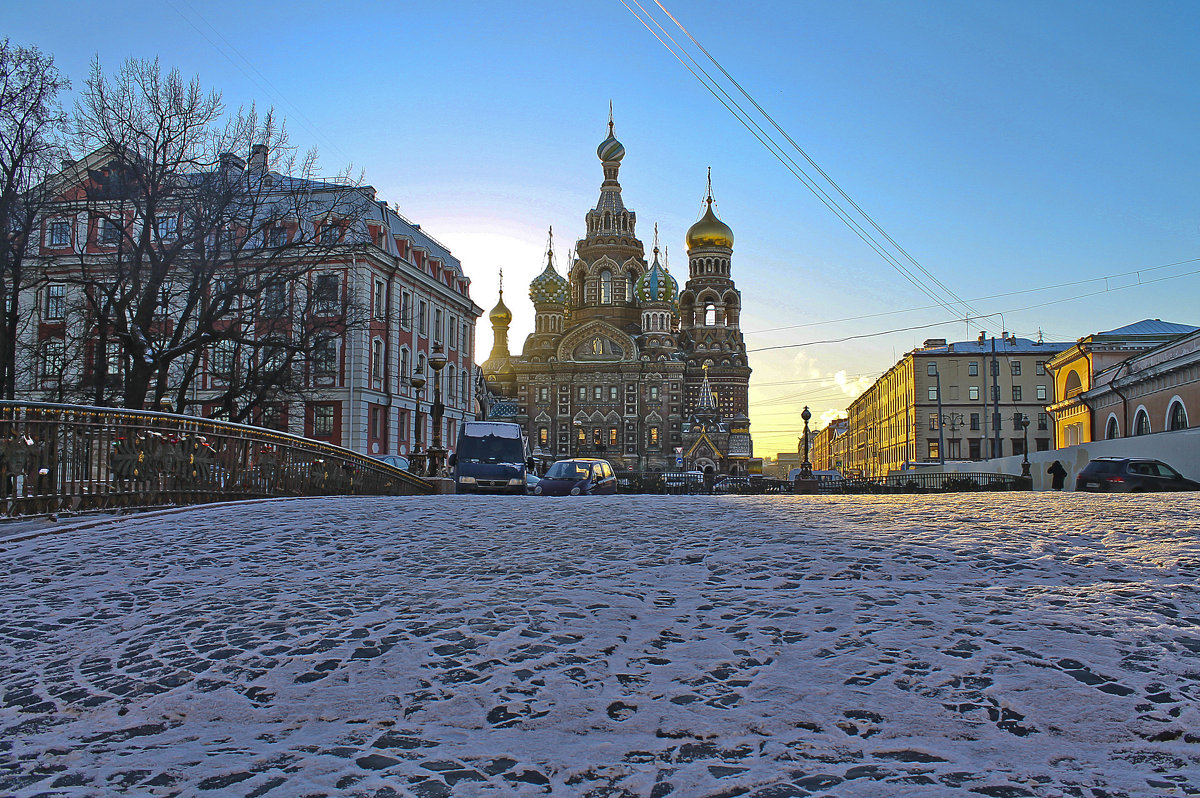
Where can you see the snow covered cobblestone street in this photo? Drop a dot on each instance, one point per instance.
(981, 644)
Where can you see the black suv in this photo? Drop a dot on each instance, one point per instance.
(1131, 475)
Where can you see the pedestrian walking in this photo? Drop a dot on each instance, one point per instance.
(1058, 473)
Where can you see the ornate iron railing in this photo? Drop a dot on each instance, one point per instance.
(68, 457)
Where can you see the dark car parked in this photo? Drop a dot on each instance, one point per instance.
(1131, 475)
(582, 476)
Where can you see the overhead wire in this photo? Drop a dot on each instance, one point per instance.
(781, 155)
(747, 121)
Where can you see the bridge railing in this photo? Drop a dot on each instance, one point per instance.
(71, 457)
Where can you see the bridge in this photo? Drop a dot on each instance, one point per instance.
(56, 457)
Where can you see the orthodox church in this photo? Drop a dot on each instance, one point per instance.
(622, 364)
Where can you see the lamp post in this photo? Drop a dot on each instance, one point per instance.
(805, 465)
(437, 454)
(418, 456)
(1025, 435)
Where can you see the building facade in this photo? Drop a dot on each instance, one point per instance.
(624, 364)
(1083, 415)
(829, 446)
(390, 293)
(955, 401)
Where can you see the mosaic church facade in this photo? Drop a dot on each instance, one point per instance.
(622, 364)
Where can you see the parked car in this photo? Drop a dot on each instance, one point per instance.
(726, 484)
(394, 460)
(1131, 475)
(531, 482)
(581, 476)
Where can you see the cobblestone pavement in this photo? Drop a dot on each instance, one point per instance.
(995, 645)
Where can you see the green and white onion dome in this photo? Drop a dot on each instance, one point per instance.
(549, 287)
(656, 285)
(610, 149)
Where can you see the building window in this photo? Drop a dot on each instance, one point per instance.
(597, 393)
(933, 393)
(934, 452)
(324, 356)
(377, 359)
(330, 233)
(1111, 430)
(404, 364)
(1039, 368)
(54, 359)
(580, 436)
(973, 394)
(612, 436)
(931, 369)
(326, 294)
(166, 227)
(654, 436)
(323, 420)
(653, 393)
(1043, 421)
(1141, 423)
(423, 318)
(56, 301)
(437, 325)
(1041, 393)
(543, 436)
(405, 310)
(973, 369)
(1016, 393)
(995, 367)
(277, 236)
(582, 393)
(605, 287)
(612, 393)
(974, 449)
(1177, 417)
(597, 437)
(275, 301)
(108, 233)
(995, 393)
(1016, 368)
(975, 421)
(380, 299)
(453, 326)
(223, 355)
(933, 420)
(60, 233)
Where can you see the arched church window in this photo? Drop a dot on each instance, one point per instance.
(710, 314)
(1141, 423)
(628, 286)
(1112, 432)
(606, 287)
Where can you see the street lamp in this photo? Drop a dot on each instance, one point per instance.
(1025, 433)
(437, 362)
(805, 465)
(418, 456)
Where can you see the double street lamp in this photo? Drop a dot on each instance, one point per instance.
(437, 454)
(1025, 434)
(418, 456)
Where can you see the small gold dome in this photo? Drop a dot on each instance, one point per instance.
(709, 232)
(501, 314)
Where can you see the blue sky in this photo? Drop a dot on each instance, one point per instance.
(1005, 146)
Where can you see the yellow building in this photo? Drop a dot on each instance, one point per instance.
(829, 446)
(956, 401)
(1076, 367)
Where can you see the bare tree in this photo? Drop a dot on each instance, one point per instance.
(31, 127)
(200, 263)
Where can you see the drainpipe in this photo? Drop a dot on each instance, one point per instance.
(353, 294)
(1124, 400)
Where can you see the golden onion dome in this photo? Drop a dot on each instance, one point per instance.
(709, 231)
(501, 314)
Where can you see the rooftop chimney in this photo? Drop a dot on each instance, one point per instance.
(258, 158)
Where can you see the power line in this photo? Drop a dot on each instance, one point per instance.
(788, 162)
(1069, 284)
(959, 321)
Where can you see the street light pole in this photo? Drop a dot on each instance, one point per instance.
(1025, 433)
(437, 361)
(805, 465)
(418, 456)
